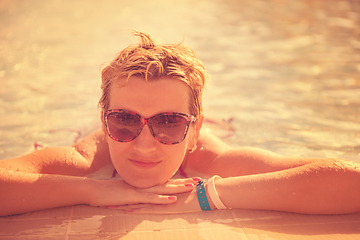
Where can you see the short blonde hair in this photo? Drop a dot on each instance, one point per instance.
(153, 60)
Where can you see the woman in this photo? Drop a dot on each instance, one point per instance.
(152, 116)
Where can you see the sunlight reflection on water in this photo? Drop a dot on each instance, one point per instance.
(285, 80)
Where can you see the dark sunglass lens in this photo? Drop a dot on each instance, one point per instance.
(123, 126)
(169, 128)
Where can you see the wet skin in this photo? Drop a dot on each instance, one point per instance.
(145, 162)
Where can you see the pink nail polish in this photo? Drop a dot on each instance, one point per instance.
(196, 179)
(172, 198)
(189, 185)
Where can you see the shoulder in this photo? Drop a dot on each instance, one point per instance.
(84, 157)
(214, 157)
(94, 149)
(209, 147)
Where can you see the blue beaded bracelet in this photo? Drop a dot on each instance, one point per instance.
(201, 194)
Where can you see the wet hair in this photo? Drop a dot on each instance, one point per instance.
(152, 60)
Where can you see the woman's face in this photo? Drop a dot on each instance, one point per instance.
(145, 162)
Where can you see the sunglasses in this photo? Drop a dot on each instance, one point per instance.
(167, 128)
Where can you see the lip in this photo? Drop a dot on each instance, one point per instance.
(144, 163)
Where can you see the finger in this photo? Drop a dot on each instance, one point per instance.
(138, 206)
(174, 186)
(130, 207)
(151, 198)
(140, 197)
(193, 180)
(170, 189)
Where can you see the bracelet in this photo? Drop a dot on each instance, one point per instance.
(214, 196)
(201, 194)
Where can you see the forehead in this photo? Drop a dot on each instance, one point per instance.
(149, 98)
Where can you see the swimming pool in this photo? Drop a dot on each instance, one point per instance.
(284, 74)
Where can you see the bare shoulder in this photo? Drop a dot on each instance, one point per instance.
(80, 159)
(214, 157)
(94, 149)
(209, 147)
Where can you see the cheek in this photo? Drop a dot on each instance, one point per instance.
(178, 153)
(116, 150)
(175, 157)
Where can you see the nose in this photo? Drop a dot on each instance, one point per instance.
(145, 142)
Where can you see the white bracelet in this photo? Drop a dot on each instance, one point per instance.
(213, 193)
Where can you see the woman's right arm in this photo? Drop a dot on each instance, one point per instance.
(45, 178)
(23, 192)
(55, 177)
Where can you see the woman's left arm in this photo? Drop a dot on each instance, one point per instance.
(256, 179)
(324, 186)
(259, 179)
(327, 186)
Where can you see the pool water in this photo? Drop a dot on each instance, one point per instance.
(284, 73)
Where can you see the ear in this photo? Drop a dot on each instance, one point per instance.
(103, 121)
(197, 128)
(198, 125)
(102, 118)
(103, 124)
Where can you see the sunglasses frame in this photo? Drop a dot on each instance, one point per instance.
(147, 121)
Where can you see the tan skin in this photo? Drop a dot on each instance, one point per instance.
(251, 178)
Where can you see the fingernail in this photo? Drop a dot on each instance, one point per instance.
(189, 185)
(196, 179)
(172, 198)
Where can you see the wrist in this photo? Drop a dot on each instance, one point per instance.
(207, 195)
(90, 186)
(211, 203)
(213, 193)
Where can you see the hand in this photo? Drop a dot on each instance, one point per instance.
(119, 194)
(186, 203)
